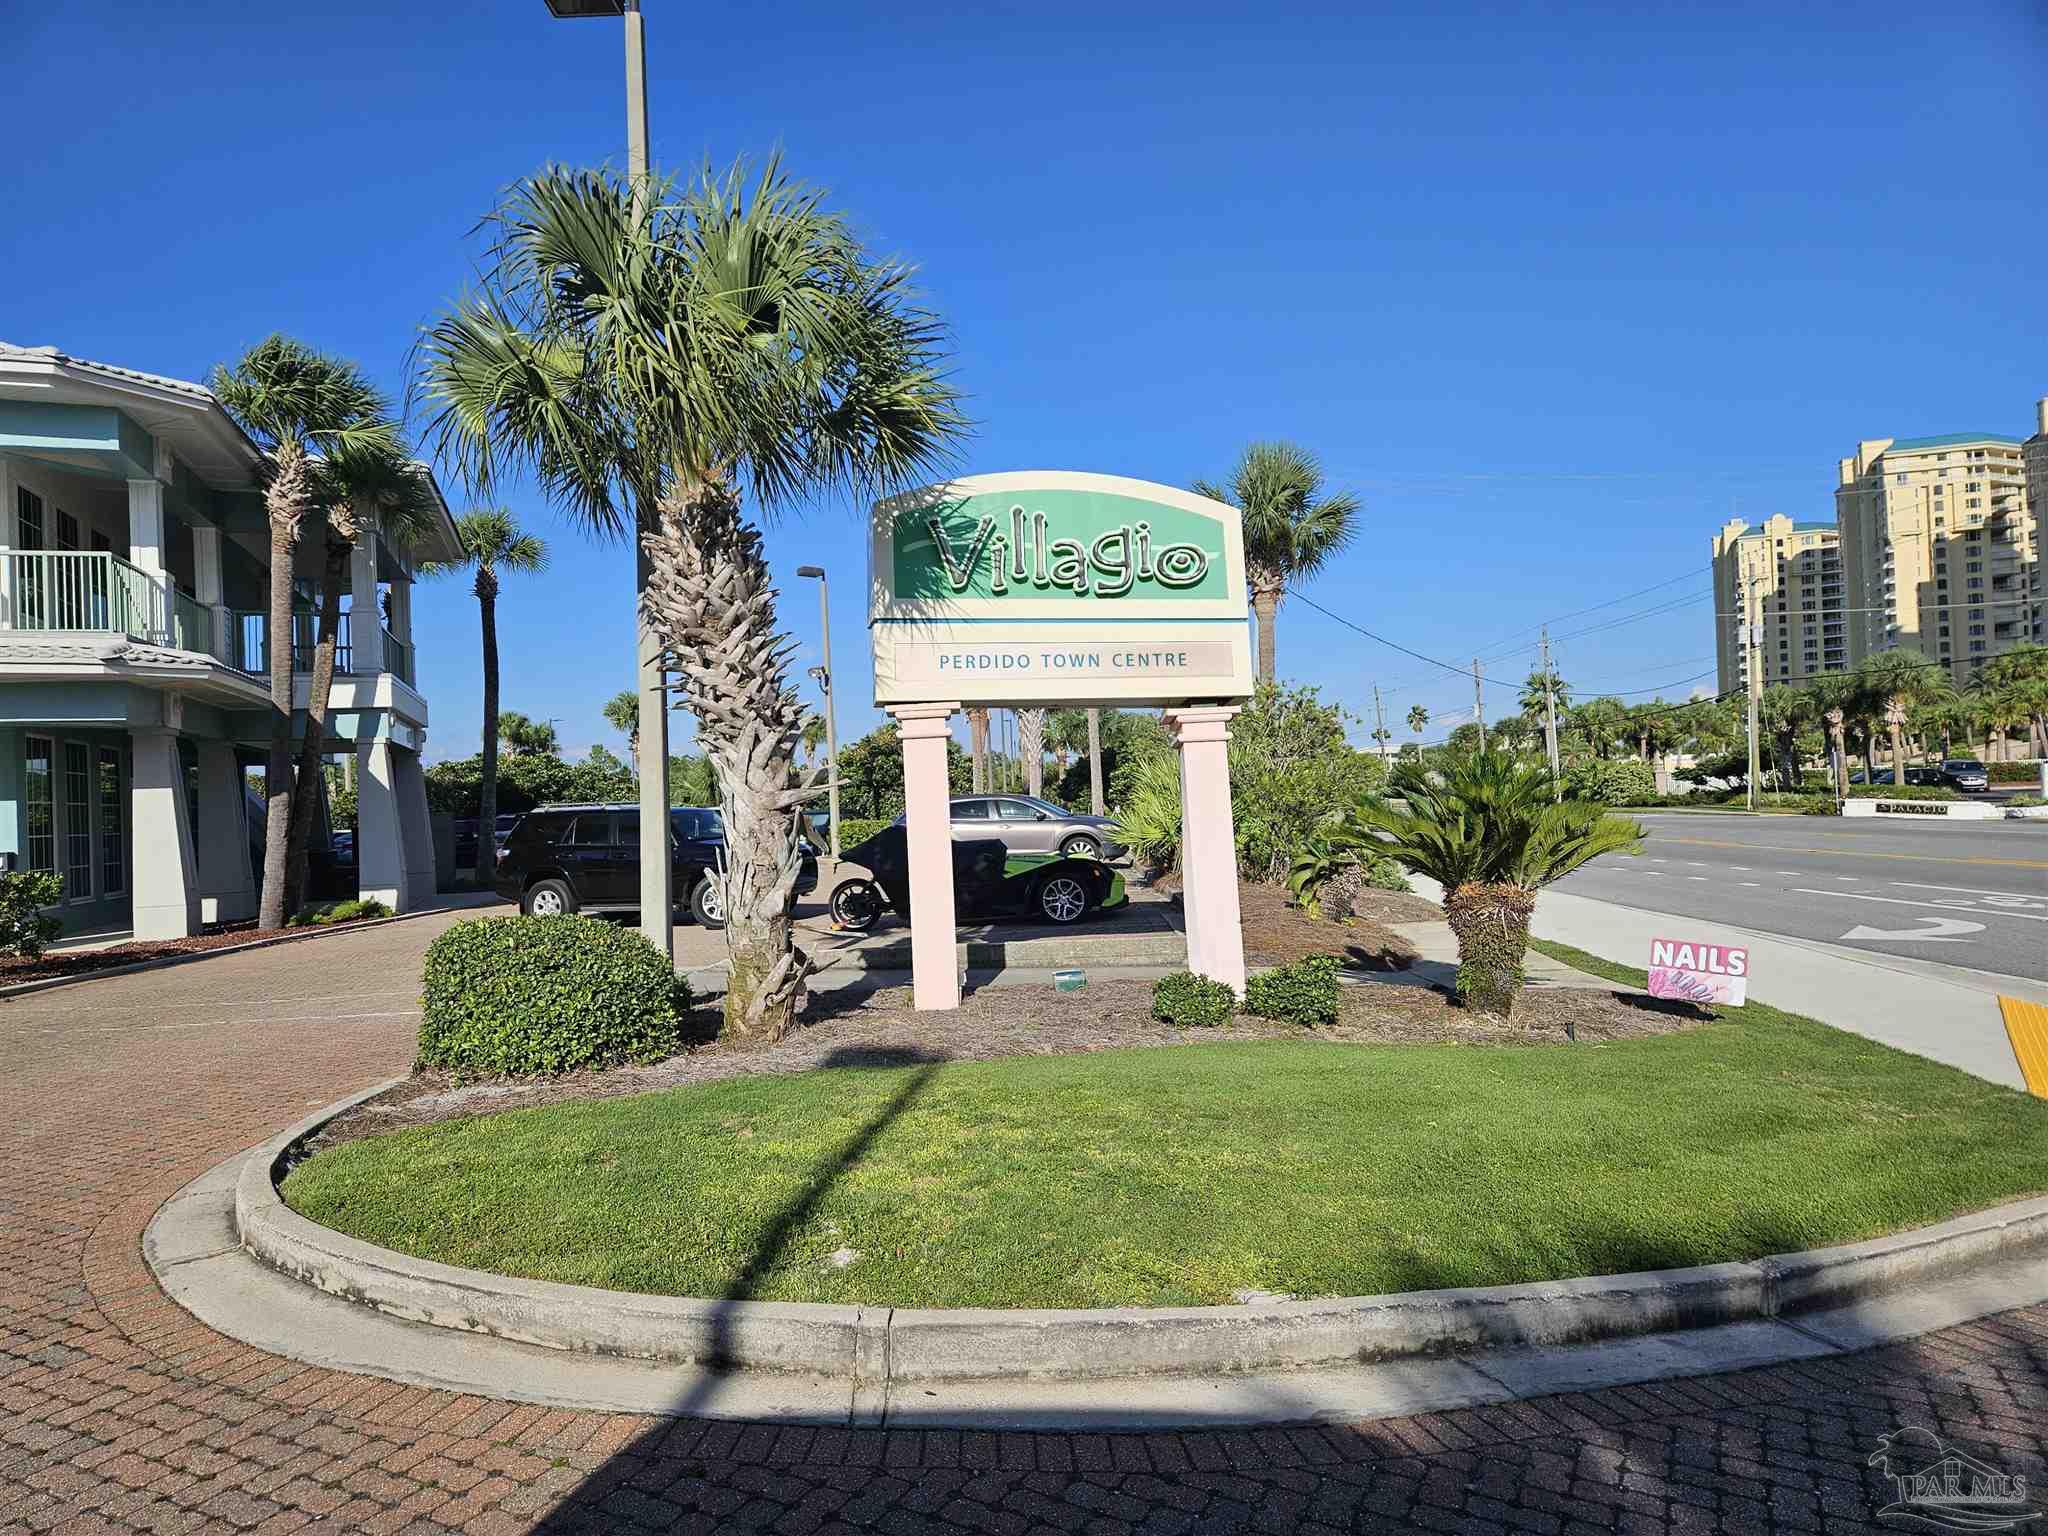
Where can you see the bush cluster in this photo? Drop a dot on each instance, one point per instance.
(1903, 792)
(1303, 993)
(24, 927)
(1190, 1001)
(854, 830)
(527, 996)
(1613, 781)
(2013, 773)
(2027, 802)
(324, 914)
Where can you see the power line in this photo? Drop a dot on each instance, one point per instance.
(1380, 639)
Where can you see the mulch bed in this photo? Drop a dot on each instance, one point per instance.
(880, 1029)
(82, 962)
(1277, 932)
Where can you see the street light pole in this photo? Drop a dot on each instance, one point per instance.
(657, 891)
(817, 572)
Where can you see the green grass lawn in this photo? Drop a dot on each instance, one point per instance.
(1181, 1174)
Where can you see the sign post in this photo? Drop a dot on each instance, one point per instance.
(1060, 588)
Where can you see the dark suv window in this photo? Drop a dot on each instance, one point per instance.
(626, 829)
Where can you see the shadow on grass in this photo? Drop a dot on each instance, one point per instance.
(782, 1228)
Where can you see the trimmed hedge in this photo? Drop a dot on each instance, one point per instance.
(1616, 781)
(858, 829)
(324, 914)
(1903, 792)
(531, 996)
(1303, 993)
(1189, 1000)
(2013, 773)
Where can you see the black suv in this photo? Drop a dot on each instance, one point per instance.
(586, 858)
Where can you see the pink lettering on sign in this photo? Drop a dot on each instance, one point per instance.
(1698, 972)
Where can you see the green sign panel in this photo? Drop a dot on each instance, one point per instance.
(1053, 544)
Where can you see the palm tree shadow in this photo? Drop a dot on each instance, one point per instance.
(796, 1213)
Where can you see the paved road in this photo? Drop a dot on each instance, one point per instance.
(1972, 894)
(120, 1412)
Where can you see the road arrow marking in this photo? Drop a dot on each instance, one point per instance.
(1951, 906)
(1944, 931)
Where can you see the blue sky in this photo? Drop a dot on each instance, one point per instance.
(1554, 289)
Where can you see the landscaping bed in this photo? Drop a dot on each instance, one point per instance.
(1077, 1168)
(1276, 931)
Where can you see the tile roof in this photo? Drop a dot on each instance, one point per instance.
(51, 354)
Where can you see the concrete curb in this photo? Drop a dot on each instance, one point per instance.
(875, 1347)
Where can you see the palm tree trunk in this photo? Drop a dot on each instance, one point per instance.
(487, 799)
(1031, 747)
(313, 748)
(1491, 924)
(285, 501)
(1096, 802)
(1898, 753)
(977, 744)
(1265, 605)
(711, 598)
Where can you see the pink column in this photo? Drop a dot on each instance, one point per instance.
(1208, 844)
(927, 800)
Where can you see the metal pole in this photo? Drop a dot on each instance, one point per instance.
(657, 890)
(1550, 719)
(1479, 703)
(1753, 667)
(1379, 722)
(831, 715)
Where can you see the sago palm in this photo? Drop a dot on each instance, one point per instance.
(492, 542)
(1489, 830)
(303, 408)
(649, 364)
(1291, 529)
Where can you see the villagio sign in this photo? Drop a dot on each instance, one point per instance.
(1049, 587)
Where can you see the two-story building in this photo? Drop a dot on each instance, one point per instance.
(134, 695)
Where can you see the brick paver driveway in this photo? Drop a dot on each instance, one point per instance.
(118, 1411)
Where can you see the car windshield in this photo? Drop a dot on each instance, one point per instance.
(1964, 765)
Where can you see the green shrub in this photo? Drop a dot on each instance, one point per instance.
(2026, 802)
(1617, 781)
(1189, 1000)
(324, 914)
(854, 830)
(24, 927)
(536, 995)
(1303, 993)
(1822, 805)
(1148, 823)
(2013, 773)
(1902, 792)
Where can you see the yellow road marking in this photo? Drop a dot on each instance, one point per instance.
(1863, 853)
(2027, 1024)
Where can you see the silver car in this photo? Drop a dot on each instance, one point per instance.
(1028, 825)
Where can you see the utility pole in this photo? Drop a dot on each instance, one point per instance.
(1752, 667)
(1379, 717)
(1479, 703)
(824, 676)
(1550, 720)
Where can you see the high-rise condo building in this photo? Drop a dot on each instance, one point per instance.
(1787, 578)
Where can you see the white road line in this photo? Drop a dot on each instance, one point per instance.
(1944, 906)
(1850, 878)
(1697, 863)
(1695, 877)
(1741, 868)
(1745, 882)
(1971, 890)
(1791, 872)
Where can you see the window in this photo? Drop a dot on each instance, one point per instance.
(970, 810)
(101, 544)
(588, 831)
(38, 803)
(1975, 565)
(1976, 645)
(28, 518)
(1975, 501)
(1975, 581)
(1976, 629)
(113, 848)
(1016, 810)
(77, 821)
(67, 530)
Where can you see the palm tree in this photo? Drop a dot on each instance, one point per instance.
(1490, 831)
(1291, 530)
(977, 742)
(1780, 711)
(372, 483)
(1601, 722)
(622, 713)
(492, 542)
(1833, 695)
(648, 357)
(813, 738)
(1418, 719)
(1531, 703)
(1098, 802)
(523, 736)
(303, 408)
(1894, 681)
(1031, 749)
(1067, 733)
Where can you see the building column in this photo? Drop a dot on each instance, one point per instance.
(401, 623)
(165, 882)
(7, 535)
(927, 799)
(365, 623)
(146, 533)
(206, 584)
(227, 887)
(380, 835)
(416, 830)
(11, 746)
(1208, 844)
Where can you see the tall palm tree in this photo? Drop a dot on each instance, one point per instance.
(813, 740)
(977, 744)
(649, 357)
(1833, 695)
(1098, 802)
(622, 713)
(1490, 830)
(493, 543)
(1418, 719)
(1031, 749)
(304, 409)
(368, 484)
(523, 736)
(1531, 702)
(1893, 681)
(1291, 529)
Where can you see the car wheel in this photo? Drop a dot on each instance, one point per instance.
(856, 904)
(1062, 899)
(1081, 846)
(548, 898)
(707, 903)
